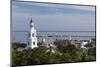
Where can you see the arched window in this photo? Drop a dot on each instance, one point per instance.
(32, 34)
(33, 43)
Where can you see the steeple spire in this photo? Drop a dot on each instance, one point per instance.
(31, 23)
(31, 20)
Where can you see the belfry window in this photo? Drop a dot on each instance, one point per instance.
(32, 34)
(33, 43)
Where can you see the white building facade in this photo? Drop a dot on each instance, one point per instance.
(32, 41)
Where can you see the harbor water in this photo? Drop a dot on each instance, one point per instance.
(50, 36)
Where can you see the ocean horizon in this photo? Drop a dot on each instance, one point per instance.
(50, 36)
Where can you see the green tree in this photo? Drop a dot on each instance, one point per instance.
(71, 49)
(60, 45)
(92, 51)
(18, 45)
(89, 45)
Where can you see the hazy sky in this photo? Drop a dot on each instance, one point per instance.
(53, 16)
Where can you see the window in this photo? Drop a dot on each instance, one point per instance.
(32, 34)
(29, 34)
(28, 43)
(33, 43)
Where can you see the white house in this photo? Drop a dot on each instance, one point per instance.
(70, 38)
(83, 44)
(32, 41)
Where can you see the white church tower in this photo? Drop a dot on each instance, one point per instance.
(32, 43)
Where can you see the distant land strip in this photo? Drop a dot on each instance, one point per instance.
(50, 31)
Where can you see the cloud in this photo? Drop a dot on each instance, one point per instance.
(58, 17)
(86, 8)
(54, 22)
(79, 7)
(44, 8)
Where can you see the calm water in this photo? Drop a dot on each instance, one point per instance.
(50, 36)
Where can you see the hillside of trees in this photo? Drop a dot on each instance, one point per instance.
(62, 54)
